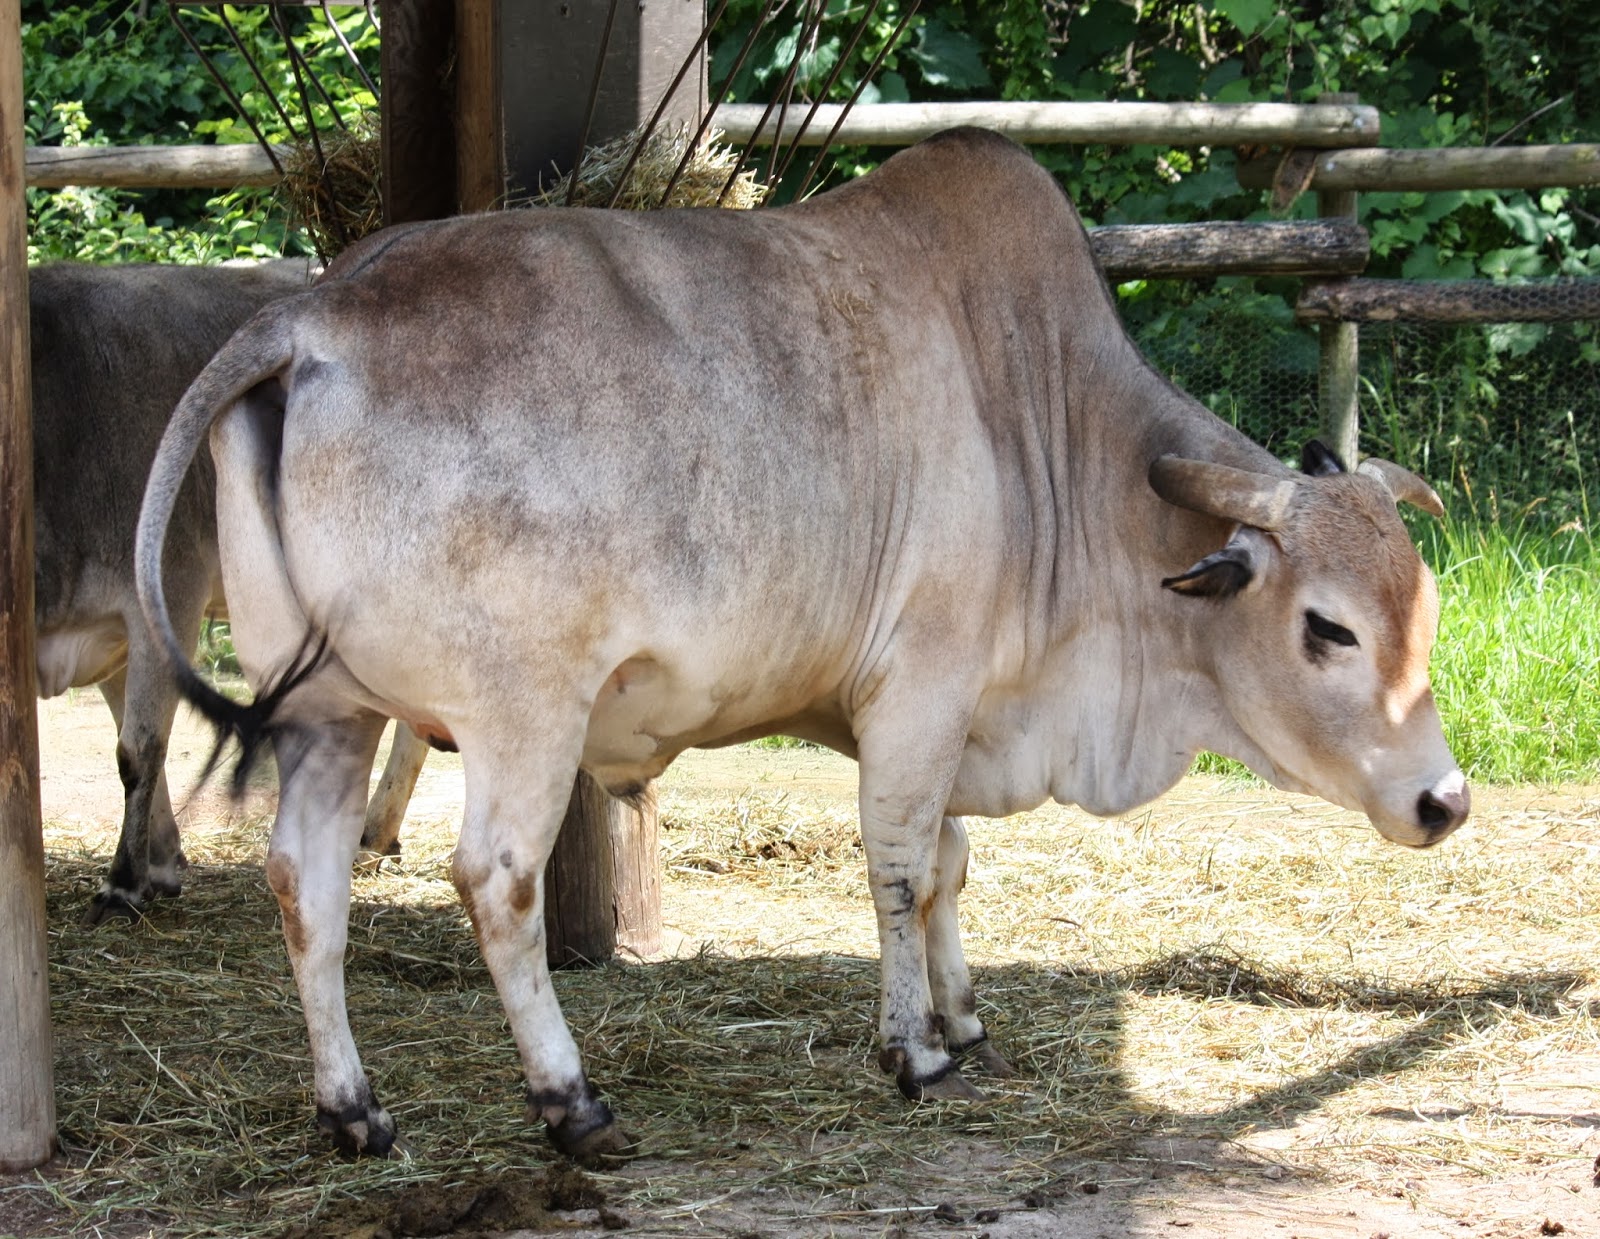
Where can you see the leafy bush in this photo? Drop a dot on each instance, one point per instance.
(120, 73)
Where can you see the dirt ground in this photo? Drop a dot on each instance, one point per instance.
(1162, 1187)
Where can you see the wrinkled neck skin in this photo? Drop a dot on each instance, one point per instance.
(1105, 686)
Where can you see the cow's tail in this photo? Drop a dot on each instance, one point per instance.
(259, 352)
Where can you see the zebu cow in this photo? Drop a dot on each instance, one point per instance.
(583, 489)
(113, 349)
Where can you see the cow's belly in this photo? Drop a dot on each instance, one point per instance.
(77, 656)
(650, 711)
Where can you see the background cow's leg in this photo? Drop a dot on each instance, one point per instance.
(514, 809)
(380, 833)
(143, 701)
(901, 816)
(323, 771)
(955, 1004)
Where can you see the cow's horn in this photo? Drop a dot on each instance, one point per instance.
(1404, 485)
(1221, 490)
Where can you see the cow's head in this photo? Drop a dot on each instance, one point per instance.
(1323, 619)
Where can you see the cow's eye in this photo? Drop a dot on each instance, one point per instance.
(1324, 629)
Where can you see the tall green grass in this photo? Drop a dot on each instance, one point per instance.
(1517, 666)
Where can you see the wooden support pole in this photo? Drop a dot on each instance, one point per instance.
(419, 142)
(27, 1095)
(480, 132)
(603, 887)
(1339, 361)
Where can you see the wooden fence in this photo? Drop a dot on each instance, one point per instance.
(1329, 148)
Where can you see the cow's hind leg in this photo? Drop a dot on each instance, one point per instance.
(380, 833)
(323, 771)
(149, 856)
(955, 1004)
(515, 802)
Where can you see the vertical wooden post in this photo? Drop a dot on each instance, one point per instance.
(480, 131)
(1339, 364)
(468, 87)
(27, 1095)
(419, 141)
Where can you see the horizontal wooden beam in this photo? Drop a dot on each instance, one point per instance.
(1159, 124)
(1449, 301)
(1438, 168)
(1188, 251)
(150, 167)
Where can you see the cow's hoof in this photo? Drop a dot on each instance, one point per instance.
(580, 1125)
(361, 1129)
(369, 859)
(983, 1058)
(944, 1084)
(597, 1147)
(112, 904)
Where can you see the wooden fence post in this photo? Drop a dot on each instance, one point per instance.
(1339, 365)
(27, 1095)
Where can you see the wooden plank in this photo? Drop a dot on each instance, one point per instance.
(419, 143)
(1449, 301)
(27, 1098)
(1161, 124)
(1441, 168)
(151, 167)
(1190, 251)
(480, 133)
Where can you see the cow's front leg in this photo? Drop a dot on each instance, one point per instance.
(900, 829)
(955, 1004)
(514, 809)
(323, 770)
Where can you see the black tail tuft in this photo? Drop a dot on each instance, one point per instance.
(254, 724)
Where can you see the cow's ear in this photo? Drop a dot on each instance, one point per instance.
(1219, 575)
(1317, 460)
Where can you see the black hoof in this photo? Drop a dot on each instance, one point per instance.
(112, 904)
(361, 1129)
(942, 1084)
(581, 1127)
(980, 1055)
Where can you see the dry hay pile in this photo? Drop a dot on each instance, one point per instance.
(1263, 976)
(336, 194)
(335, 190)
(707, 180)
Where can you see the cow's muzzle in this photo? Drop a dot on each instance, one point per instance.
(1443, 807)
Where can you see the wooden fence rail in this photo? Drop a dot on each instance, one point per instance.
(1439, 168)
(1163, 124)
(1449, 301)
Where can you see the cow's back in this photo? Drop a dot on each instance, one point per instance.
(113, 348)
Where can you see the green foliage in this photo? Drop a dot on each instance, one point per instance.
(115, 72)
(1516, 671)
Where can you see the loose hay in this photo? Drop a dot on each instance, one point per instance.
(337, 195)
(700, 184)
(1263, 976)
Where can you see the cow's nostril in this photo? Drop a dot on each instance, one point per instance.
(1430, 813)
(1442, 811)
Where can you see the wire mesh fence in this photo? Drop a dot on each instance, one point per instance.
(1503, 418)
